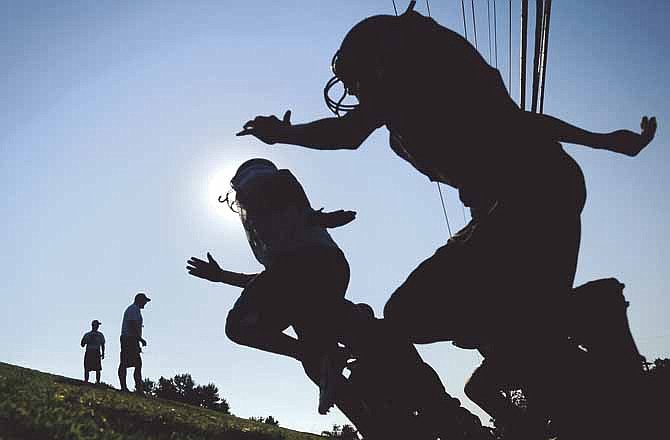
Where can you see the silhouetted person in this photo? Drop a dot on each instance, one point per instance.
(305, 277)
(94, 341)
(505, 278)
(131, 338)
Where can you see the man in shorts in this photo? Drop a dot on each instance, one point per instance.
(131, 338)
(94, 341)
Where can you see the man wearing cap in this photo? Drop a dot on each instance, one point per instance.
(131, 338)
(94, 341)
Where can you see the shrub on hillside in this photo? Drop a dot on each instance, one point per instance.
(269, 420)
(182, 388)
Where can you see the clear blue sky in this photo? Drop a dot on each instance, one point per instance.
(117, 133)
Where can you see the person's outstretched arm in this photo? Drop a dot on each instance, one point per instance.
(621, 141)
(347, 132)
(333, 219)
(210, 270)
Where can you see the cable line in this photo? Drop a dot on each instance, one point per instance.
(474, 21)
(524, 44)
(488, 15)
(536, 53)
(444, 209)
(439, 189)
(495, 31)
(465, 25)
(509, 77)
(545, 49)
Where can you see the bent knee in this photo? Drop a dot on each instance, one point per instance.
(236, 330)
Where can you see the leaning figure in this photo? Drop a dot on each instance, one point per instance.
(305, 278)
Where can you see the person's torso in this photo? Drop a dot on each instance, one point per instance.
(451, 117)
(94, 340)
(132, 313)
(277, 218)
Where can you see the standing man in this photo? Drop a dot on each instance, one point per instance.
(94, 341)
(131, 338)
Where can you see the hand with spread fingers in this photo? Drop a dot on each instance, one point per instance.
(208, 270)
(268, 129)
(631, 143)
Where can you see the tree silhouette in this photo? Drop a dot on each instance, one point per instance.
(182, 388)
(343, 432)
(269, 420)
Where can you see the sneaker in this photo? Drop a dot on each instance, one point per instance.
(329, 379)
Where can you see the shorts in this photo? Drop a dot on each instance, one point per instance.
(92, 360)
(130, 352)
(304, 290)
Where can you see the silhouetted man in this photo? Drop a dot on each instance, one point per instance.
(131, 338)
(94, 341)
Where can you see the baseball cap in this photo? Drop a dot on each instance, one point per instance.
(142, 296)
(95, 322)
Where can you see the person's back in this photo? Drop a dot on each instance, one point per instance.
(94, 340)
(278, 218)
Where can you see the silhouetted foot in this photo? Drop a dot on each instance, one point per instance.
(330, 377)
(124, 390)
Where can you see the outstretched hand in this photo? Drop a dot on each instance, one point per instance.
(208, 270)
(268, 129)
(631, 143)
(334, 219)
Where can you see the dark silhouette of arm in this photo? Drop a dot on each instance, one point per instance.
(83, 340)
(210, 270)
(235, 278)
(347, 132)
(621, 141)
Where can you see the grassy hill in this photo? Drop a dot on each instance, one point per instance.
(36, 405)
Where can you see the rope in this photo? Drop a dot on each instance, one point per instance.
(488, 15)
(536, 53)
(545, 50)
(509, 77)
(495, 31)
(444, 209)
(474, 21)
(439, 189)
(465, 25)
(522, 58)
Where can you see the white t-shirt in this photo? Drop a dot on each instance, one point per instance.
(93, 340)
(132, 313)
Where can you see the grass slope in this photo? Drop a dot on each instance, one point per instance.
(36, 405)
